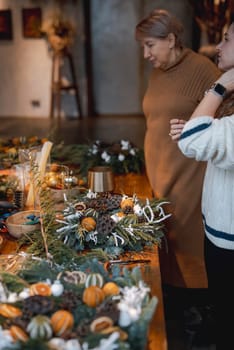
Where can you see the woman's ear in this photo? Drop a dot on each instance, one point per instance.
(171, 39)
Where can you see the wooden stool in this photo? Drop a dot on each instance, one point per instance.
(57, 86)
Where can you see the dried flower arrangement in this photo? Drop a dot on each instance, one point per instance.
(47, 307)
(112, 222)
(60, 33)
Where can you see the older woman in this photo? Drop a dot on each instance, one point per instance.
(177, 83)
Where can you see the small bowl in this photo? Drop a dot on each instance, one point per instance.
(16, 223)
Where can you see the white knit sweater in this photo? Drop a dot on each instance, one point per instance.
(212, 140)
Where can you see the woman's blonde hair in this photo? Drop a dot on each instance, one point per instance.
(159, 24)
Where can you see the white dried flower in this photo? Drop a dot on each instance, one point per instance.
(91, 194)
(124, 145)
(105, 156)
(25, 293)
(6, 340)
(12, 298)
(138, 210)
(3, 293)
(121, 157)
(72, 344)
(94, 149)
(131, 303)
(106, 344)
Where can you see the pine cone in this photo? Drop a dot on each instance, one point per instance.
(84, 328)
(68, 335)
(105, 225)
(98, 204)
(113, 202)
(37, 304)
(70, 300)
(104, 195)
(108, 308)
(21, 321)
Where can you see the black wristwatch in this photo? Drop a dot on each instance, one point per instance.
(218, 89)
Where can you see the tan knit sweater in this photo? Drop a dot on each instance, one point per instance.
(174, 93)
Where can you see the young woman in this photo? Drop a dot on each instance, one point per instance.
(209, 136)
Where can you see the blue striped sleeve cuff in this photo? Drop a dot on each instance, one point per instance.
(194, 130)
(217, 233)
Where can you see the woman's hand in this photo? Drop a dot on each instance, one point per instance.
(177, 126)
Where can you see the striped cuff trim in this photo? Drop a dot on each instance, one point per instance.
(194, 130)
(218, 234)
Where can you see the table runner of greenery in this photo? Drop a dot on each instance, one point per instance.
(122, 155)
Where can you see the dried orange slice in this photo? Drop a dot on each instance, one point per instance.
(9, 311)
(88, 223)
(122, 335)
(17, 333)
(101, 323)
(127, 202)
(40, 288)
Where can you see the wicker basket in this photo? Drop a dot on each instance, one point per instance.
(16, 223)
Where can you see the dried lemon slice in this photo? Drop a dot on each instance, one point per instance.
(40, 288)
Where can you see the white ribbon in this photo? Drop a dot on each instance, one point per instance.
(162, 214)
(116, 237)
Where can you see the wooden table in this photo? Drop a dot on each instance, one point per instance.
(132, 183)
(151, 275)
(157, 332)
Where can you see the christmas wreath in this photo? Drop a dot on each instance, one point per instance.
(113, 222)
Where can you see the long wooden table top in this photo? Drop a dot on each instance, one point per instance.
(151, 274)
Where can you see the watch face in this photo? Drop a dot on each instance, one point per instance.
(220, 89)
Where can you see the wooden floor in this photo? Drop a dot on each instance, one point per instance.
(108, 129)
